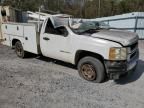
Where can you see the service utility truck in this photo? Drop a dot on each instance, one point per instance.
(96, 50)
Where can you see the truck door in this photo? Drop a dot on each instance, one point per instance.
(55, 42)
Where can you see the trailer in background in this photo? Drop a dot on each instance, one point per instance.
(133, 22)
(9, 14)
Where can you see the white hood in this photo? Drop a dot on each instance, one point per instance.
(124, 37)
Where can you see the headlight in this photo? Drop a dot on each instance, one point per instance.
(118, 54)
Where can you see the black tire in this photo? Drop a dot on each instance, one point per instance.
(91, 69)
(19, 50)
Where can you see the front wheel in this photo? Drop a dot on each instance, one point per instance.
(91, 69)
(19, 50)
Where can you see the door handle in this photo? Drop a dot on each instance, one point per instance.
(45, 38)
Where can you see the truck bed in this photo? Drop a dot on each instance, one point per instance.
(24, 32)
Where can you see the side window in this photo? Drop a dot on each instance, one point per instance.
(57, 31)
(49, 27)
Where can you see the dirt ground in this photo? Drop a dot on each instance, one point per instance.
(39, 82)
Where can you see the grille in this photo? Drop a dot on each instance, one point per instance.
(134, 46)
(133, 55)
(132, 51)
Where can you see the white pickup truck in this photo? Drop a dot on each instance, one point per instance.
(98, 52)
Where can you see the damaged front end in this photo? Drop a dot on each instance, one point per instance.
(116, 68)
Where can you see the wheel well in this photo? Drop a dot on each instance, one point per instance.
(14, 42)
(81, 54)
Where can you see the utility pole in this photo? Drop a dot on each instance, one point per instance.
(82, 8)
(58, 4)
(99, 9)
(19, 4)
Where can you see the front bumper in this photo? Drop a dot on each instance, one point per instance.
(117, 68)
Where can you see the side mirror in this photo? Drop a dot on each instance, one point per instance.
(65, 34)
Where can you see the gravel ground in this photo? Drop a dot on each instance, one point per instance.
(39, 82)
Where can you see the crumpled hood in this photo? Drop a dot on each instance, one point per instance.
(124, 37)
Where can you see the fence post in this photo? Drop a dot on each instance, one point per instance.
(136, 23)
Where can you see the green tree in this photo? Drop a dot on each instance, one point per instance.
(89, 10)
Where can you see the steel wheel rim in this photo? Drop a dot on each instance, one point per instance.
(88, 72)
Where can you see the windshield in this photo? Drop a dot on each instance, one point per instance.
(87, 26)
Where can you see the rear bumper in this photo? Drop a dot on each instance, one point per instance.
(117, 68)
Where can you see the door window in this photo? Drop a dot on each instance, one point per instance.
(57, 31)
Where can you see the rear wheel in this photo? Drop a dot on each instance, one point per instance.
(91, 69)
(19, 50)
